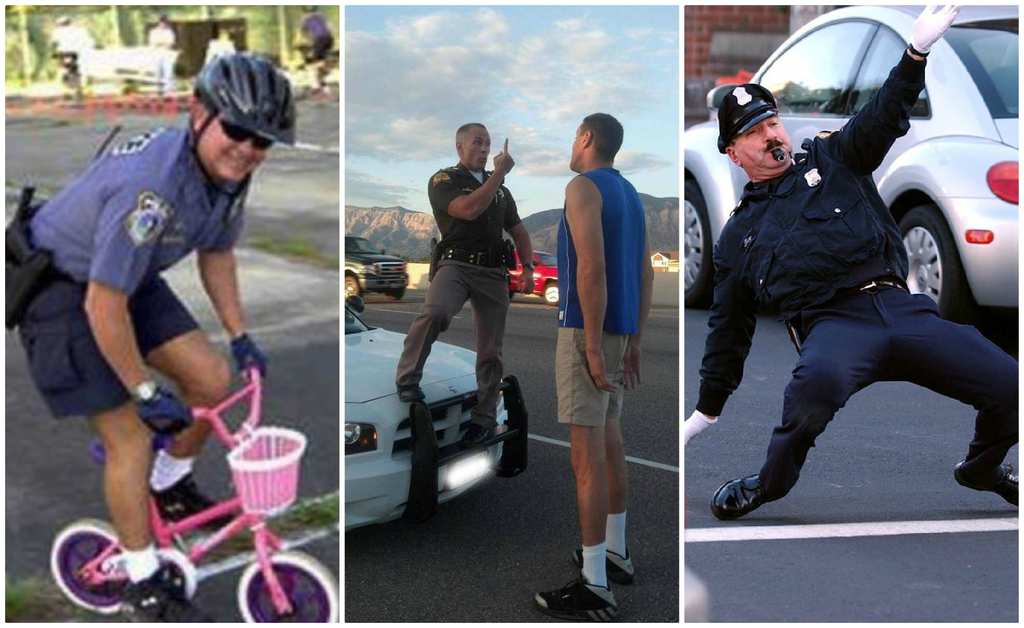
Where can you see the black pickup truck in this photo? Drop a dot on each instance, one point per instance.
(371, 270)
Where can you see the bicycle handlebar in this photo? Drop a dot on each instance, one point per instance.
(254, 390)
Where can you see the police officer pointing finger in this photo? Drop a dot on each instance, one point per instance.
(812, 239)
(472, 208)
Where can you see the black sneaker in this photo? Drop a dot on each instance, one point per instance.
(618, 568)
(183, 499)
(160, 598)
(578, 600)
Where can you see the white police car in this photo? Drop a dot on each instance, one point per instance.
(403, 459)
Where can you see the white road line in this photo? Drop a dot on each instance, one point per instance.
(384, 309)
(848, 530)
(640, 461)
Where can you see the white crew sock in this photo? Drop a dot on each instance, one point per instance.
(615, 533)
(593, 564)
(167, 470)
(141, 564)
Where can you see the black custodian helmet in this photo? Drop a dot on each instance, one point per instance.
(741, 109)
(251, 93)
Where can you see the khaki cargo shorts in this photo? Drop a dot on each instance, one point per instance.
(579, 400)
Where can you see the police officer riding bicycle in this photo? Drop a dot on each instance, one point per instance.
(102, 315)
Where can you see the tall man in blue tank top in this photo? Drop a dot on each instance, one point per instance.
(605, 284)
(106, 315)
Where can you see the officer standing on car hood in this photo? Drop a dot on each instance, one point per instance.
(472, 208)
(812, 238)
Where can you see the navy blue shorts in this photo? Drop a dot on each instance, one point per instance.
(67, 366)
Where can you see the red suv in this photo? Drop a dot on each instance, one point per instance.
(545, 277)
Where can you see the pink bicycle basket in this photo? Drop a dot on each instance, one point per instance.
(265, 467)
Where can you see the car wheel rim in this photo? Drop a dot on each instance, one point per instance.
(925, 275)
(693, 245)
(551, 294)
(350, 289)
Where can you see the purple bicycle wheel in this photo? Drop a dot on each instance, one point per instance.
(77, 550)
(310, 601)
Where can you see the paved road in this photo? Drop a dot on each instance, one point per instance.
(294, 197)
(484, 555)
(887, 457)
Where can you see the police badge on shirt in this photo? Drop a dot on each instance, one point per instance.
(148, 219)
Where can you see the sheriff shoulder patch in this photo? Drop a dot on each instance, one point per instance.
(439, 178)
(137, 144)
(148, 219)
(823, 134)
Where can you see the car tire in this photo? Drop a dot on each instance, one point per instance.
(551, 293)
(698, 267)
(935, 267)
(352, 287)
(397, 294)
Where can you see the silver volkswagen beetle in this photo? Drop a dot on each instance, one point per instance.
(951, 182)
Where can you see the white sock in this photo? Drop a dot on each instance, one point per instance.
(167, 470)
(593, 564)
(615, 533)
(141, 564)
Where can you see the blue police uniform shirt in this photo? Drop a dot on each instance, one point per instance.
(136, 211)
(625, 239)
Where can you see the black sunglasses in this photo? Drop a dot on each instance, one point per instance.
(241, 134)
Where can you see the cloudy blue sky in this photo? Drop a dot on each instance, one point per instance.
(529, 73)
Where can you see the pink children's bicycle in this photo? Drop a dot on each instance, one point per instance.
(277, 586)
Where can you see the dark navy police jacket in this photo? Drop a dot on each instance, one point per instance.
(793, 242)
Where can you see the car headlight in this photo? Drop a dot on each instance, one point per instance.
(370, 269)
(360, 438)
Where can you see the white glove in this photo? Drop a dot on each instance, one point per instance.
(696, 424)
(931, 24)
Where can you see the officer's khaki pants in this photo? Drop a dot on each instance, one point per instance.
(487, 291)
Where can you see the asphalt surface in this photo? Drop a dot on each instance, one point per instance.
(887, 457)
(292, 308)
(484, 555)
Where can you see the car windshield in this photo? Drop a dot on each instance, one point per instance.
(353, 324)
(547, 259)
(359, 245)
(989, 51)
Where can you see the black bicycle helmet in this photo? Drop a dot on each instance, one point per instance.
(251, 93)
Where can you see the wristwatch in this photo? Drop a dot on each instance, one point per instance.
(145, 391)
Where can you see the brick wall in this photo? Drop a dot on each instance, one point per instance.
(701, 22)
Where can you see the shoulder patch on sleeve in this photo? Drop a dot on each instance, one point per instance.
(136, 144)
(824, 134)
(440, 178)
(148, 219)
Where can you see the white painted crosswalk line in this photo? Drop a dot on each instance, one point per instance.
(848, 530)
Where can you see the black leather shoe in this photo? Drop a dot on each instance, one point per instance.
(736, 498)
(477, 435)
(1004, 485)
(409, 394)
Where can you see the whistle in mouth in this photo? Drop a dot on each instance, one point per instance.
(778, 154)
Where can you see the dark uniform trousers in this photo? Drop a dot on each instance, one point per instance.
(891, 335)
(487, 291)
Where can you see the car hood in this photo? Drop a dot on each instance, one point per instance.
(371, 358)
(1007, 128)
(370, 258)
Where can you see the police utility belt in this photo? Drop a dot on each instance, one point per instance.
(27, 269)
(490, 258)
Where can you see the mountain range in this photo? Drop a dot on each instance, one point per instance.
(407, 233)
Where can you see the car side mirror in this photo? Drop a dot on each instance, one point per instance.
(356, 303)
(717, 95)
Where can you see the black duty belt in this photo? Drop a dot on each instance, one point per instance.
(488, 258)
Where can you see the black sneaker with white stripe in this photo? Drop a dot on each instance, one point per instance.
(618, 568)
(578, 600)
(184, 499)
(160, 598)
